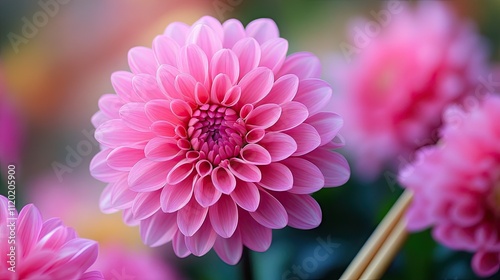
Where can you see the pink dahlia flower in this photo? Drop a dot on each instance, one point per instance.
(43, 250)
(217, 137)
(456, 185)
(402, 78)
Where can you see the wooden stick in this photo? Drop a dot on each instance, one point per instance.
(377, 239)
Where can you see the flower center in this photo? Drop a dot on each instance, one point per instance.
(217, 132)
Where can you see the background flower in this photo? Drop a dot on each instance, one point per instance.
(422, 59)
(456, 185)
(213, 139)
(43, 249)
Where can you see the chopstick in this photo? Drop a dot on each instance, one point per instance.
(377, 253)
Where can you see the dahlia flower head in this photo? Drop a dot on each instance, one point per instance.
(43, 250)
(456, 185)
(217, 137)
(401, 80)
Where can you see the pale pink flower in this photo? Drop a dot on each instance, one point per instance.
(401, 79)
(118, 262)
(42, 250)
(456, 185)
(216, 138)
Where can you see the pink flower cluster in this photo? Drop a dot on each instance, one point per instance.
(396, 88)
(217, 137)
(31, 248)
(456, 185)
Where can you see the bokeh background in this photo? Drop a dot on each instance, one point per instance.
(51, 83)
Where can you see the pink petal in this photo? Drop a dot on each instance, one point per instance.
(180, 172)
(146, 204)
(274, 54)
(115, 133)
(292, 114)
(142, 60)
(220, 86)
(181, 109)
(244, 171)
(158, 229)
(279, 145)
(333, 165)
(29, 225)
(262, 29)
(224, 216)
(128, 218)
(284, 90)
(100, 169)
(204, 167)
(314, 93)
(246, 195)
(303, 64)
(165, 77)
(201, 95)
(255, 154)
(159, 110)
(307, 177)
(303, 211)
(105, 201)
(327, 124)
(166, 50)
(110, 104)
(122, 84)
(205, 37)
(276, 177)
(248, 52)
(99, 118)
(213, 23)
(255, 85)
(205, 192)
(77, 253)
(191, 217)
(486, 263)
(229, 249)
(121, 196)
(232, 96)
(307, 138)
(264, 116)
(148, 175)
(174, 197)
(255, 135)
(179, 245)
(223, 180)
(255, 236)
(163, 128)
(233, 32)
(124, 158)
(177, 31)
(226, 62)
(134, 116)
(192, 60)
(161, 149)
(202, 241)
(270, 212)
(146, 87)
(185, 84)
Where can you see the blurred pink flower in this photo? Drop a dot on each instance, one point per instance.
(42, 249)
(217, 137)
(456, 185)
(401, 80)
(119, 262)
